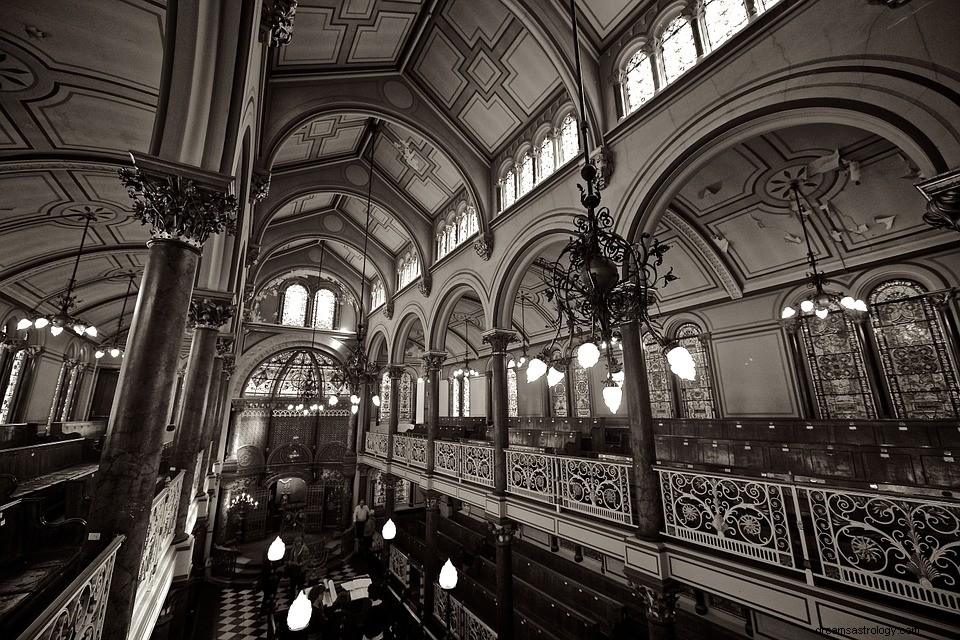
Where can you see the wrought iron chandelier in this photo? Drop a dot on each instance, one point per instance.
(820, 301)
(62, 319)
(600, 281)
(311, 391)
(113, 346)
(358, 369)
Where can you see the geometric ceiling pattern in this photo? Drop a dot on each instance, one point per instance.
(324, 138)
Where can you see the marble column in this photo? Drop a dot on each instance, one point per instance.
(432, 363)
(184, 206)
(498, 339)
(389, 493)
(212, 425)
(394, 372)
(206, 315)
(431, 564)
(642, 443)
(661, 608)
(488, 409)
(503, 533)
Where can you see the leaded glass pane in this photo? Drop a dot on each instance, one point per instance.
(451, 231)
(639, 86)
(462, 232)
(294, 373)
(658, 379)
(513, 405)
(71, 390)
(474, 222)
(581, 390)
(526, 174)
(696, 396)
(723, 18)
(405, 402)
(508, 190)
(465, 406)
(558, 399)
(837, 366)
(678, 50)
(377, 294)
(913, 351)
(7, 407)
(547, 161)
(294, 306)
(384, 397)
(324, 308)
(569, 139)
(455, 386)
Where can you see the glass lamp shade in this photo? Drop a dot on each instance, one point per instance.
(618, 377)
(79, 329)
(612, 397)
(681, 363)
(848, 302)
(276, 550)
(115, 352)
(40, 323)
(333, 400)
(55, 330)
(289, 407)
(298, 617)
(99, 354)
(448, 576)
(788, 312)
(806, 306)
(299, 407)
(522, 361)
(354, 399)
(91, 331)
(536, 369)
(588, 355)
(860, 305)
(376, 401)
(389, 530)
(554, 376)
(822, 313)
(314, 406)
(26, 323)
(354, 408)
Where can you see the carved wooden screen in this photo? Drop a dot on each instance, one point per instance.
(914, 354)
(696, 396)
(837, 369)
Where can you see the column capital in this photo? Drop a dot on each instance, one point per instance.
(943, 200)
(484, 245)
(498, 339)
(425, 286)
(229, 366)
(389, 480)
(503, 531)
(225, 344)
(210, 313)
(276, 22)
(394, 371)
(260, 182)
(660, 602)
(431, 499)
(433, 360)
(179, 202)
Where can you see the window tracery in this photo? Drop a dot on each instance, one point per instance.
(678, 51)
(408, 269)
(294, 308)
(377, 294)
(639, 85)
(722, 19)
(696, 396)
(569, 139)
(457, 231)
(546, 159)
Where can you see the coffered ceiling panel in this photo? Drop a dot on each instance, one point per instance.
(603, 16)
(418, 167)
(305, 205)
(323, 138)
(383, 226)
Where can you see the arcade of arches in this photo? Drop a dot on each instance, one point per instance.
(291, 172)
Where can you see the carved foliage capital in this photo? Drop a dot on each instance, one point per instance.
(395, 372)
(431, 499)
(225, 345)
(943, 200)
(206, 313)
(259, 185)
(276, 21)
(661, 604)
(503, 532)
(179, 208)
(484, 246)
(425, 285)
(433, 361)
(388, 310)
(229, 367)
(498, 339)
(603, 160)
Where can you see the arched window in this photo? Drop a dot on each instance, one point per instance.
(294, 310)
(408, 269)
(677, 49)
(696, 396)
(12, 384)
(324, 309)
(722, 19)
(508, 189)
(385, 396)
(658, 378)
(569, 139)
(450, 231)
(558, 399)
(513, 404)
(580, 379)
(292, 373)
(377, 295)
(546, 159)
(405, 403)
(909, 331)
(638, 83)
(462, 230)
(526, 174)
(473, 222)
(441, 244)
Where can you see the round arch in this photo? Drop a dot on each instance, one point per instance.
(448, 297)
(250, 359)
(411, 314)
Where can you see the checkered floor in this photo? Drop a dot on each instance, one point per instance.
(238, 614)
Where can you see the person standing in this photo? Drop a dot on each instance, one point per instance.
(297, 566)
(360, 514)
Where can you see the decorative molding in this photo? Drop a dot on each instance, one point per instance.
(225, 344)
(260, 184)
(498, 339)
(723, 274)
(208, 313)
(943, 200)
(229, 366)
(661, 604)
(251, 258)
(433, 360)
(425, 285)
(602, 159)
(484, 246)
(395, 372)
(503, 532)
(388, 309)
(179, 202)
(276, 22)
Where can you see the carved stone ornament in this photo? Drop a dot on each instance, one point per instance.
(395, 373)
(388, 310)
(431, 499)
(661, 605)
(225, 345)
(425, 285)
(389, 481)
(210, 314)
(503, 532)
(943, 200)
(229, 367)
(259, 186)
(178, 207)
(12, 344)
(602, 159)
(484, 246)
(433, 361)
(498, 339)
(276, 22)
(252, 256)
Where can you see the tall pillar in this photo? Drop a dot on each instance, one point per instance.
(389, 493)
(393, 423)
(642, 444)
(488, 409)
(184, 206)
(207, 316)
(210, 442)
(498, 339)
(432, 363)
(431, 565)
(503, 533)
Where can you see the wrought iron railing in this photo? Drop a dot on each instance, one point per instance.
(463, 622)
(410, 450)
(160, 530)
(376, 444)
(470, 462)
(80, 609)
(400, 565)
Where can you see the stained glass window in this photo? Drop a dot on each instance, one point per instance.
(658, 379)
(913, 351)
(526, 174)
(6, 409)
(838, 371)
(465, 398)
(462, 231)
(291, 373)
(677, 48)
(558, 399)
(638, 86)
(409, 269)
(451, 240)
(513, 405)
(324, 309)
(405, 402)
(508, 190)
(547, 161)
(581, 390)
(455, 386)
(377, 295)
(58, 394)
(722, 19)
(473, 222)
(294, 312)
(696, 396)
(385, 397)
(74, 375)
(569, 139)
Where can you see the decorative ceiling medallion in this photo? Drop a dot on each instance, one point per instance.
(397, 94)
(356, 174)
(333, 223)
(14, 75)
(75, 215)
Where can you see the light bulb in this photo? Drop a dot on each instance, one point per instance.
(681, 363)
(448, 576)
(860, 305)
(536, 369)
(26, 323)
(588, 355)
(314, 406)
(618, 377)
(612, 396)
(79, 329)
(115, 352)
(822, 313)
(389, 530)
(376, 400)
(92, 332)
(510, 365)
(98, 354)
(299, 407)
(354, 399)
(554, 376)
(55, 330)
(298, 617)
(354, 408)
(848, 302)
(523, 361)
(276, 550)
(289, 407)
(40, 323)
(333, 400)
(806, 306)
(788, 312)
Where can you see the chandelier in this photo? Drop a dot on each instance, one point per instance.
(113, 346)
(821, 300)
(601, 281)
(358, 369)
(466, 371)
(309, 387)
(62, 319)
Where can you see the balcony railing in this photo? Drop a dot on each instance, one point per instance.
(463, 622)
(410, 450)
(376, 444)
(160, 532)
(470, 462)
